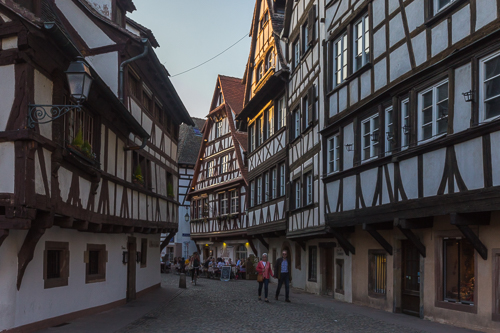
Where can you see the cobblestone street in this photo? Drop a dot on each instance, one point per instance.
(215, 306)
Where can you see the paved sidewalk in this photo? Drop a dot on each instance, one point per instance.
(215, 306)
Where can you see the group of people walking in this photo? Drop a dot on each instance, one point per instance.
(281, 272)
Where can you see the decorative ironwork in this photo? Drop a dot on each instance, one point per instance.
(469, 96)
(43, 114)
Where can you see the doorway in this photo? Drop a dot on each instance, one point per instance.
(131, 267)
(329, 271)
(410, 292)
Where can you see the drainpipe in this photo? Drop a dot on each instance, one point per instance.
(122, 89)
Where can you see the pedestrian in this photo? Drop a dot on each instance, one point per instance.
(282, 271)
(264, 269)
(195, 263)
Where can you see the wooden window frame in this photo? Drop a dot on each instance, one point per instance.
(297, 193)
(269, 60)
(103, 259)
(252, 193)
(62, 280)
(312, 263)
(144, 252)
(339, 276)
(282, 179)
(305, 38)
(372, 276)
(296, 126)
(298, 257)
(259, 190)
(274, 183)
(365, 38)
(266, 183)
(435, 119)
(234, 198)
(405, 126)
(281, 121)
(296, 53)
(270, 122)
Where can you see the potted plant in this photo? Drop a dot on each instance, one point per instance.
(170, 190)
(137, 177)
(77, 142)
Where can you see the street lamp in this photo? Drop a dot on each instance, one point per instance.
(186, 217)
(79, 81)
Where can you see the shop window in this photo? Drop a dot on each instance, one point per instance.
(96, 258)
(458, 271)
(56, 264)
(377, 273)
(313, 263)
(339, 280)
(144, 252)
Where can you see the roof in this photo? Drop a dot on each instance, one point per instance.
(190, 140)
(145, 32)
(242, 138)
(233, 91)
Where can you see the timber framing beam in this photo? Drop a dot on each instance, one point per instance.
(167, 240)
(414, 239)
(3, 235)
(198, 248)
(415, 223)
(463, 221)
(343, 241)
(252, 245)
(371, 229)
(302, 244)
(263, 241)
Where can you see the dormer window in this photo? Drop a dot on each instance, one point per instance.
(264, 19)
(269, 60)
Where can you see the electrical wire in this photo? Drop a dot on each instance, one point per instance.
(203, 63)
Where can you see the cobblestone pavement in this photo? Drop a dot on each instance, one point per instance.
(215, 306)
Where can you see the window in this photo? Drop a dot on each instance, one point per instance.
(211, 169)
(390, 138)
(269, 60)
(282, 179)
(259, 190)
(200, 209)
(433, 111)
(133, 85)
(405, 124)
(56, 264)
(458, 271)
(361, 42)
(252, 194)
(261, 129)
(298, 256)
(218, 129)
(235, 202)
(225, 164)
(241, 252)
(370, 137)
(270, 123)
(377, 272)
(96, 257)
(79, 123)
(251, 135)
(340, 60)
(441, 4)
(334, 154)
(296, 123)
(305, 109)
(266, 187)
(313, 263)
(205, 207)
(281, 113)
(297, 192)
(223, 202)
(264, 19)
(305, 38)
(296, 53)
(144, 252)
(339, 281)
(119, 16)
(309, 188)
(147, 99)
(258, 132)
(258, 73)
(489, 106)
(274, 183)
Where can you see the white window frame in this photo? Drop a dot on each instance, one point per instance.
(296, 53)
(234, 201)
(373, 143)
(225, 163)
(305, 105)
(224, 202)
(405, 121)
(281, 113)
(273, 183)
(364, 40)
(298, 192)
(266, 187)
(389, 130)
(259, 190)
(252, 194)
(282, 179)
(309, 188)
(436, 6)
(340, 60)
(270, 121)
(218, 129)
(305, 38)
(258, 73)
(296, 123)
(333, 152)
(269, 60)
(482, 92)
(435, 118)
(211, 168)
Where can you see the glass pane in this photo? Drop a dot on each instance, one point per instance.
(492, 108)
(358, 61)
(366, 141)
(366, 127)
(466, 272)
(492, 67)
(451, 269)
(375, 123)
(492, 88)
(442, 126)
(427, 132)
(442, 109)
(366, 153)
(376, 149)
(442, 3)
(427, 115)
(427, 99)
(442, 92)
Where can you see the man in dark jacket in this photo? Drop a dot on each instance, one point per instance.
(282, 271)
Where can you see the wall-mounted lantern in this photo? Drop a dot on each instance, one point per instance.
(125, 257)
(79, 81)
(391, 137)
(186, 217)
(349, 147)
(469, 96)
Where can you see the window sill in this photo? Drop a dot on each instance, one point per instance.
(54, 283)
(312, 280)
(339, 291)
(456, 306)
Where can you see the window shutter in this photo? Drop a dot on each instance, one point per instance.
(312, 101)
(310, 25)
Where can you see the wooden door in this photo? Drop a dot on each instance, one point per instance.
(329, 270)
(410, 294)
(131, 267)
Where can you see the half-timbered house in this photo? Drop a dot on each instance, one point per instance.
(219, 186)
(410, 147)
(264, 118)
(84, 196)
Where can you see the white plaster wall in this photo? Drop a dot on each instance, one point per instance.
(8, 167)
(380, 73)
(378, 11)
(368, 184)
(462, 109)
(495, 156)
(400, 62)
(43, 96)
(379, 42)
(409, 172)
(8, 43)
(111, 152)
(460, 24)
(396, 31)
(5, 18)
(106, 65)
(470, 163)
(150, 275)
(34, 303)
(486, 11)
(92, 35)
(64, 177)
(433, 164)
(415, 14)
(349, 195)
(439, 38)
(7, 93)
(419, 48)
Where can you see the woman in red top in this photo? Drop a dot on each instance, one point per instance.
(264, 268)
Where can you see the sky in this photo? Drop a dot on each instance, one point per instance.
(192, 31)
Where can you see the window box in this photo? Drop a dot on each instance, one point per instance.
(74, 151)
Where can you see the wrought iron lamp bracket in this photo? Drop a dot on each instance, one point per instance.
(43, 114)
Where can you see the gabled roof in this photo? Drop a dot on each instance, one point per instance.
(190, 140)
(233, 91)
(145, 32)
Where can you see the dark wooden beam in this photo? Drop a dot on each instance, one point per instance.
(20, 212)
(302, 244)
(263, 241)
(480, 218)
(95, 227)
(167, 240)
(344, 243)
(3, 235)
(138, 229)
(326, 245)
(63, 222)
(416, 223)
(81, 225)
(128, 230)
(379, 226)
(474, 239)
(146, 230)
(250, 241)
(414, 239)
(27, 250)
(107, 228)
(15, 223)
(381, 240)
(198, 248)
(117, 229)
